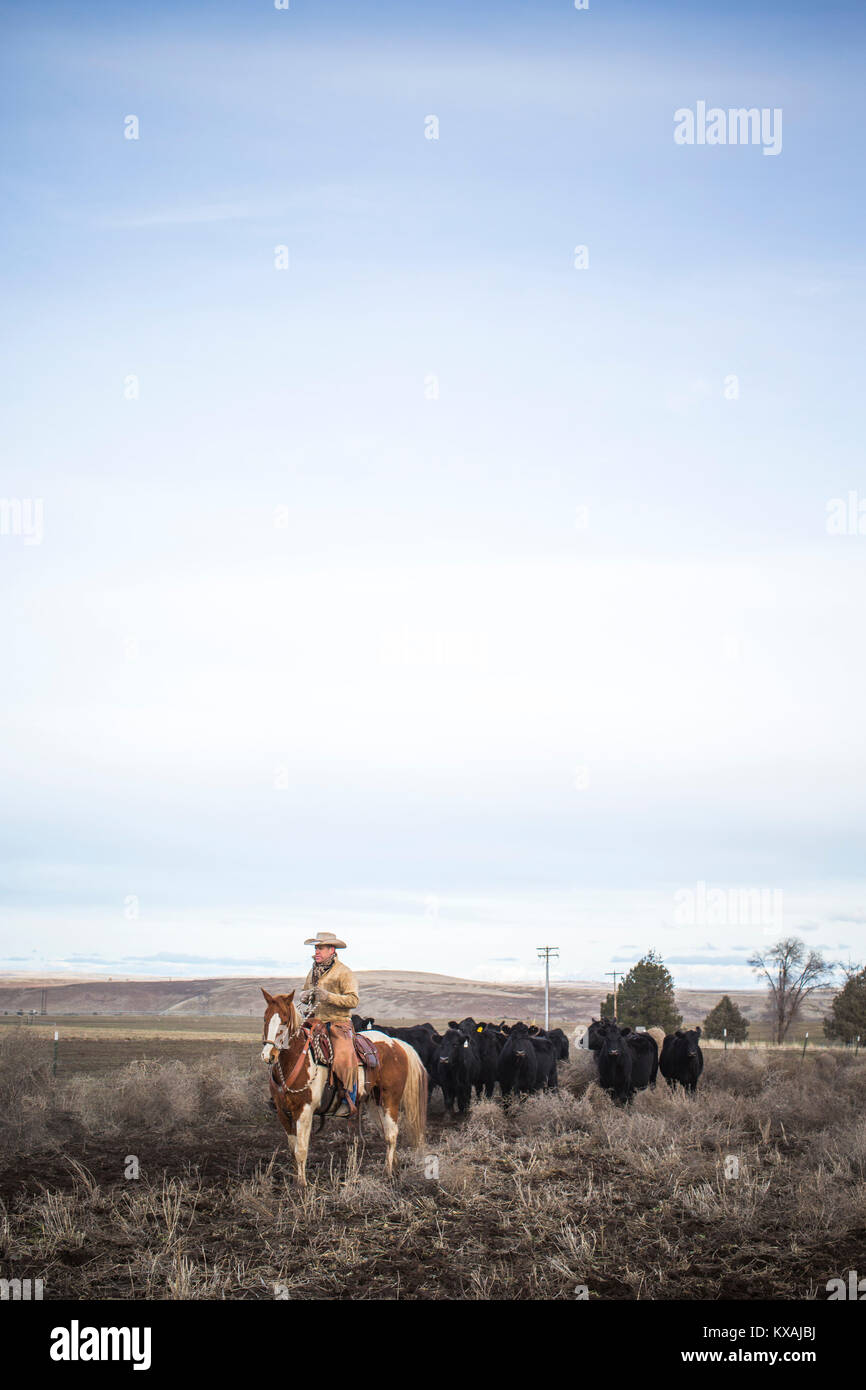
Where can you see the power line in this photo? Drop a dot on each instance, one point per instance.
(545, 954)
(617, 975)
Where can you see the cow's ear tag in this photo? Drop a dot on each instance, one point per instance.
(479, 1030)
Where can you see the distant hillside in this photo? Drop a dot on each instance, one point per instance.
(389, 995)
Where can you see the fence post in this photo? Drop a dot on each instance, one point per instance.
(805, 1041)
(54, 1063)
(725, 1036)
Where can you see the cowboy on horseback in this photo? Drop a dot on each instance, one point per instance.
(330, 995)
(310, 1061)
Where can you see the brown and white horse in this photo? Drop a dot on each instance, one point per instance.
(297, 1081)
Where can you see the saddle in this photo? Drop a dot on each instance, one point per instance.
(365, 1051)
(322, 1047)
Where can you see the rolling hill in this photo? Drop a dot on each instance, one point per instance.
(390, 995)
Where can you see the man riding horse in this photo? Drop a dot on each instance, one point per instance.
(330, 995)
(312, 1060)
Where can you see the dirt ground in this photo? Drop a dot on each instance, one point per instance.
(560, 1192)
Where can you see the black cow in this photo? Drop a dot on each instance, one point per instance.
(518, 1062)
(645, 1059)
(556, 1036)
(456, 1068)
(545, 1056)
(560, 1043)
(595, 1032)
(682, 1060)
(422, 1036)
(614, 1059)
(490, 1043)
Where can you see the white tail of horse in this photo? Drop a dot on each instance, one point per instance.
(413, 1102)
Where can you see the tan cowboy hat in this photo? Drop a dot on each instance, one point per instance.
(325, 938)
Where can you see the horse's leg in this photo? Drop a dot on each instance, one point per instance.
(302, 1143)
(354, 1122)
(387, 1110)
(288, 1124)
(390, 1111)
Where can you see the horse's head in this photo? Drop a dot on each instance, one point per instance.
(281, 1020)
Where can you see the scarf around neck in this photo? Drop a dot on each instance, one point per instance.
(320, 970)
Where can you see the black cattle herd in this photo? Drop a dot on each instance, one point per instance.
(629, 1061)
(522, 1058)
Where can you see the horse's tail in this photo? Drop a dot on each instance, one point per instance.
(414, 1099)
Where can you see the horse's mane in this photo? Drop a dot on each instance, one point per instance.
(294, 1017)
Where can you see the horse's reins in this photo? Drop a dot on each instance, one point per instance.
(281, 1042)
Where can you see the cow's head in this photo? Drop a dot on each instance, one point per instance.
(451, 1045)
(610, 1038)
(691, 1039)
(595, 1033)
(520, 1033)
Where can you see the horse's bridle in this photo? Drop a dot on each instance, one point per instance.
(281, 1042)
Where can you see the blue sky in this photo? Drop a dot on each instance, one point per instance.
(432, 587)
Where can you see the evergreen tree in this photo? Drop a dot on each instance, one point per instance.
(726, 1015)
(847, 1016)
(646, 997)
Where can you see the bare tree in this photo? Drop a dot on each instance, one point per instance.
(791, 975)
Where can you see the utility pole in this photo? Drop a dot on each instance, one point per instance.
(545, 953)
(617, 975)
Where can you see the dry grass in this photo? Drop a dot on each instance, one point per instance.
(557, 1191)
(25, 1092)
(169, 1096)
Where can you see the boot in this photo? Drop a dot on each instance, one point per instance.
(347, 1106)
